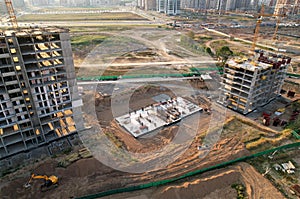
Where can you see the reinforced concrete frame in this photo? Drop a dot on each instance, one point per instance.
(39, 100)
(248, 84)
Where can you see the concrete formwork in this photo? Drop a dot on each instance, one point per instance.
(164, 113)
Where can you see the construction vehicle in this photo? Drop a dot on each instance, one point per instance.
(48, 181)
(266, 119)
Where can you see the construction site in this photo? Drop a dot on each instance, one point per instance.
(226, 133)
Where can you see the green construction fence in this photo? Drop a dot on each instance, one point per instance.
(293, 75)
(193, 173)
(194, 72)
(296, 135)
(114, 77)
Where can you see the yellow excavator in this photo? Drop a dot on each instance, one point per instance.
(48, 181)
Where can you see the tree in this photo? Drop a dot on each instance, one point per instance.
(223, 54)
(208, 50)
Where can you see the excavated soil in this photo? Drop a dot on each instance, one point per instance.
(212, 185)
(88, 176)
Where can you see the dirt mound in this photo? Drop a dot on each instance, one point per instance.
(74, 177)
(143, 145)
(85, 167)
(201, 188)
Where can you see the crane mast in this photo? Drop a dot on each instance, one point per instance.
(11, 13)
(259, 21)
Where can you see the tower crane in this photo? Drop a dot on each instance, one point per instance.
(259, 21)
(11, 13)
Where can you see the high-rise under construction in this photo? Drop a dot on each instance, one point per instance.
(248, 84)
(39, 102)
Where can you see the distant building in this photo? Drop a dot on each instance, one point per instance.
(104, 2)
(140, 3)
(243, 5)
(75, 3)
(289, 7)
(194, 4)
(169, 7)
(247, 85)
(2, 8)
(40, 2)
(147, 4)
(272, 3)
(220, 5)
(212, 4)
(18, 4)
(150, 4)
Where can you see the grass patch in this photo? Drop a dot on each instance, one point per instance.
(203, 38)
(100, 28)
(218, 44)
(72, 9)
(114, 139)
(189, 44)
(81, 17)
(256, 138)
(241, 190)
(85, 40)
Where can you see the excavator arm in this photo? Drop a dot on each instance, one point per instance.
(33, 176)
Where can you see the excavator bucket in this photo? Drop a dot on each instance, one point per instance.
(27, 185)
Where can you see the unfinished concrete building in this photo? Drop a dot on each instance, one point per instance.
(39, 102)
(248, 84)
(163, 113)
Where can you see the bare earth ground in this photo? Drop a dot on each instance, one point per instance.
(89, 176)
(212, 185)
